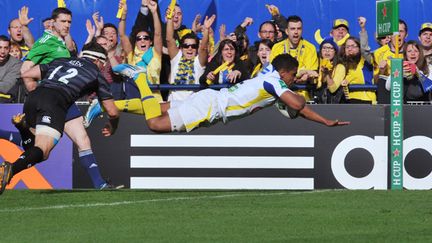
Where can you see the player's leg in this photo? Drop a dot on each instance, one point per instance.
(77, 133)
(26, 133)
(17, 137)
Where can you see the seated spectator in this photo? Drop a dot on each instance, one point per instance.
(263, 54)
(19, 32)
(352, 68)
(9, 69)
(15, 51)
(187, 62)
(425, 37)
(415, 71)
(234, 71)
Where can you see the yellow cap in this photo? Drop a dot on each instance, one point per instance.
(339, 22)
(426, 26)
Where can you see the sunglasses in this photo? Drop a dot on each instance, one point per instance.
(142, 37)
(186, 46)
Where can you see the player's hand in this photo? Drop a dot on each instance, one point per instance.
(107, 130)
(335, 123)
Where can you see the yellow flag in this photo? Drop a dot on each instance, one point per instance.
(61, 4)
(171, 9)
(120, 10)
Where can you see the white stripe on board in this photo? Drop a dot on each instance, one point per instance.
(222, 183)
(235, 141)
(230, 162)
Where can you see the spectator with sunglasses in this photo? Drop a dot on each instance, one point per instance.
(187, 62)
(143, 50)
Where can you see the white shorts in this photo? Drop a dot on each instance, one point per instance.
(200, 109)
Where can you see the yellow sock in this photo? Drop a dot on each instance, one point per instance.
(150, 104)
(130, 106)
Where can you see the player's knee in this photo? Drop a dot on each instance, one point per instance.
(152, 125)
(155, 125)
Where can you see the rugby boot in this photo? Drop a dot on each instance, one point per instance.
(93, 111)
(5, 175)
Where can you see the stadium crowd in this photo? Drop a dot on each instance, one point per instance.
(169, 52)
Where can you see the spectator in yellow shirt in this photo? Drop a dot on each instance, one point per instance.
(299, 48)
(384, 54)
(340, 30)
(352, 68)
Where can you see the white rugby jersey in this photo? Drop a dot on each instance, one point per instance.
(251, 95)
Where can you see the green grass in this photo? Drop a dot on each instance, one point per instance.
(216, 216)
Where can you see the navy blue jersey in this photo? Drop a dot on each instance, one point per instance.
(74, 77)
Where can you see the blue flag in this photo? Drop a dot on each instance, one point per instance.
(425, 81)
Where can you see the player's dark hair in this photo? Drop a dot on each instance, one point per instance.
(284, 62)
(95, 47)
(56, 12)
(5, 38)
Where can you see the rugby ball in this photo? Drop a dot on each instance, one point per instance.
(286, 110)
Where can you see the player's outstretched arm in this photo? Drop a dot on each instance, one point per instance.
(114, 117)
(309, 114)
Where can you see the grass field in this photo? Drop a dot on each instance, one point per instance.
(216, 216)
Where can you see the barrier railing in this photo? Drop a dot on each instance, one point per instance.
(165, 87)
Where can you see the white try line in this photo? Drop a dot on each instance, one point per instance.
(89, 205)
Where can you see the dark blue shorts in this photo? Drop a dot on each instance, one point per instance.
(73, 112)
